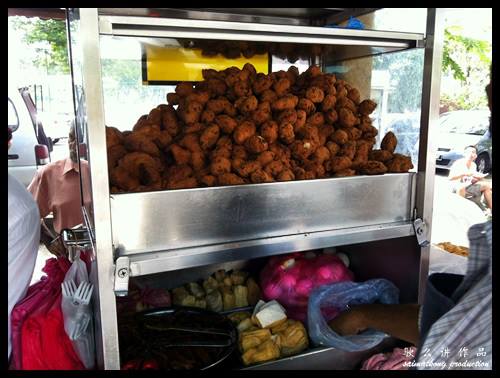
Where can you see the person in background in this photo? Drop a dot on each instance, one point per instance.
(24, 236)
(454, 324)
(466, 180)
(56, 190)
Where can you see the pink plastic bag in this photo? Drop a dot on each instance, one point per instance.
(38, 337)
(290, 279)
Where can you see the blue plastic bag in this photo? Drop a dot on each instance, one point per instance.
(340, 295)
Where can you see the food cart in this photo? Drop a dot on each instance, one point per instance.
(170, 236)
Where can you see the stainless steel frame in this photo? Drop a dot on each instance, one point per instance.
(415, 197)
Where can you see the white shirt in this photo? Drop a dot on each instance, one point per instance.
(24, 238)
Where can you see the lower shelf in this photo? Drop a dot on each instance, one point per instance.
(325, 358)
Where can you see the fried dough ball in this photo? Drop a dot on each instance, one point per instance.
(209, 136)
(321, 154)
(186, 183)
(302, 149)
(208, 180)
(348, 149)
(216, 87)
(256, 144)
(113, 137)
(115, 153)
(244, 131)
(380, 155)
(345, 102)
(207, 116)
(269, 131)
(372, 132)
(225, 141)
(262, 83)
(184, 88)
(317, 119)
(173, 98)
(341, 90)
(286, 133)
(365, 124)
(301, 120)
(142, 167)
(247, 168)
(226, 123)
(361, 156)
(251, 69)
(315, 94)
(306, 105)
(220, 165)
(161, 138)
(193, 128)
(262, 113)
(328, 102)
(286, 175)
(339, 163)
(237, 164)
(209, 73)
(190, 112)
(122, 179)
(288, 101)
(140, 142)
(223, 151)
(265, 158)
(287, 116)
(331, 116)
(325, 132)
(299, 173)
(333, 147)
(347, 118)
(367, 107)
(268, 96)
(169, 121)
(230, 179)
(216, 105)
(178, 172)
(399, 164)
(242, 88)
(239, 152)
(154, 116)
(354, 95)
(198, 96)
(181, 155)
(354, 133)
(274, 168)
(340, 137)
(260, 176)
(372, 167)
(197, 160)
(282, 86)
(345, 173)
(389, 142)
(247, 104)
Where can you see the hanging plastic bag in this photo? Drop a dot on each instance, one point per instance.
(78, 322)
(290, 279)
(339, 296)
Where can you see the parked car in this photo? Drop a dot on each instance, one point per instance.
(459, 129)
(30, 146)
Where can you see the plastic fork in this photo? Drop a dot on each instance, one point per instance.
(83, 294)
(68, 289)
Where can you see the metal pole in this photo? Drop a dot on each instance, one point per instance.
(106, 318)
(431, 88)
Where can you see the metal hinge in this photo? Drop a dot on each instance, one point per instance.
(421, 232)
(122, 274)
(75, 239)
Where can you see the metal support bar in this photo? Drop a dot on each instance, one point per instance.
(431, 88)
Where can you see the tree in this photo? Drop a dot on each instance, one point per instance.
(49, 32)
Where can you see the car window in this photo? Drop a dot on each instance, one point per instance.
(465, 123)
(13, 120)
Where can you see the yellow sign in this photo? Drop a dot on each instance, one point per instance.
(163, 65)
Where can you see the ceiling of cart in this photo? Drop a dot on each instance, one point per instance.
(290, 16)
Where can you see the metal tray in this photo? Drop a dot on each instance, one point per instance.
(168, 220)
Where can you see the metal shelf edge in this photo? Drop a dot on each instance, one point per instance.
(169, 260)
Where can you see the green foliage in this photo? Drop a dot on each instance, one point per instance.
(54, 58)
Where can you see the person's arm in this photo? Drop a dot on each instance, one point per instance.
(457, 172)
(399, 320)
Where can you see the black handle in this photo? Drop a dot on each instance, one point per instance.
(13, 156)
